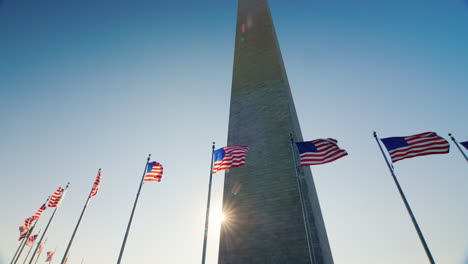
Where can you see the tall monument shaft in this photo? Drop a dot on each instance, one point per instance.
(264, 218)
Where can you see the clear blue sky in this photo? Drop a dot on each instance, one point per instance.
(100, 84)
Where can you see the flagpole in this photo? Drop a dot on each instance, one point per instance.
(48, 224)
(30, 247)
(39, 252)
(133, 211)
(25, 240)
(408, 208)
(303, 206)
(19, 247)
(78, 224)
(207, 217)
(458, 146)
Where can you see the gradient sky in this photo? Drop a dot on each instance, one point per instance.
(101, 84)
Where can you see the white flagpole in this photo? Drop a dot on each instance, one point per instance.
(42, 249)
(133, 211)
(65, 255)
(207, 217)
(50, 220)
(408, 208)
(305, 215)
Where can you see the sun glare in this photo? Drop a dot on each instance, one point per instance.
(218, 218)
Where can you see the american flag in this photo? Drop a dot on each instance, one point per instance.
(465, 144)
(28, 222)
(154, 172)
(319, 151)
(23, 232)
(96, 184)
(31, 240)
(229, 157)
(416, 145)
(56, 197)
(41, 246)
(50, 254)
(39, 211)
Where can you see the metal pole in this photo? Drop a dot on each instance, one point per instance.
(48, 224)
(24, 237)
(39, 252)
(305, 216)
(207, 217)
(458, 146)
(76, 227)
(133, 211)
(17, 250)
(30, 248)
(25, 240)
(415, 223)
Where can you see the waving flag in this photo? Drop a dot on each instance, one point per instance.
(229, 157)
(50, 254)
(41, 246)
(154, 172)
(96, 184)
(319, 151)
(31, 240)
(23, 232)
(56, 197)
(28, 222)
(39, 211)
(25, 227)
(422, 144)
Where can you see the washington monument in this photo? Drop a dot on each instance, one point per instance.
(261, 202)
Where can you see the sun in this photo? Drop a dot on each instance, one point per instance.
(218, 218)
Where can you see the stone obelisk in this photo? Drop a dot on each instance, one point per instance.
(261, 203)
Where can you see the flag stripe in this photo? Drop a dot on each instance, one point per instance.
(39, 211)
(50, 254)
(96, 184)
(56, 198)
(154, 172)
(31, 240)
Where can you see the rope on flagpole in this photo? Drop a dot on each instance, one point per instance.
(408, 208)
(207, 217)
(133, 211)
